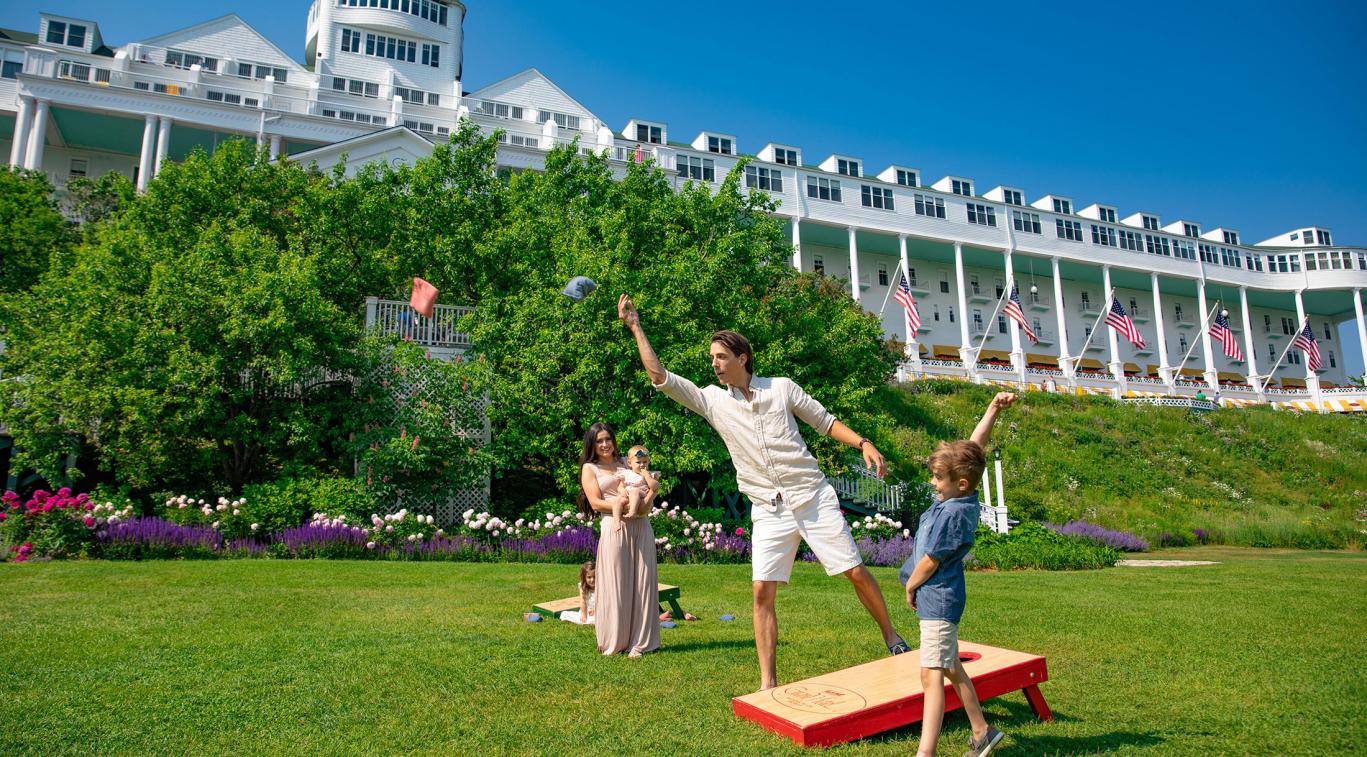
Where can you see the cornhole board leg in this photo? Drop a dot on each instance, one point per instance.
(877, 696)
(670, 594)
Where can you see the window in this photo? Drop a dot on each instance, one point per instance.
(876, 197)
(982, 214)
(1012, 197)
(964, 188)
(1294, 236)
(431, 10)
(13, 64)
(944, 282)
(232, 99)
(500, 110)
(1255, 262)
(911, 277)
(1324, 238)
(784, 156)
(1231, 237)
(1086, 299)
(1070, 230)
(357, 87)
(1129, 240)
(351, 41)
(720, 145)
(520, 140)
(847, 167)
(1230, 258)
(177, 59)
(79, 167)
(1332, 363)
(950, 310)
(649, 134)
(1063, 206)
(882, 274)
(1134, 307)
(1150, 223)
(818, 265)
(1106, 214)
(1087, 333)
(934, 207)
(1271, 352)
(62, 33)
(431, 56)
(1328, 332)
(937, 312)
(694, 167)
(1182, 343)
(973, 284)
(1157, 245)
(1103, 235)
(346, 115)
(1286, 326)
(1208, 254)
(1293, 357)
(1027, 222)
(1001, 324)
(563, 120)
(394, 48)
(254, 71)
(1000, 288)
(977, 321)
(419, 97)
(1191, 229)
(906, 178)
(1267, 323)
(767, 179)
(823, 189)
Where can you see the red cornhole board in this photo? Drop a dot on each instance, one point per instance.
(884, 694)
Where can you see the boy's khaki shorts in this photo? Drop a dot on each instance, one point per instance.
(939, 644)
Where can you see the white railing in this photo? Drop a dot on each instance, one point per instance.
(399, 319)
(863, 485)
(1187, 402)
(1345, 390)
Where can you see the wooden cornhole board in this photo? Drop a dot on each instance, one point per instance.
(884, 694)
(668, 594)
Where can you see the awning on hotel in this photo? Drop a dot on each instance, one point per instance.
(1231, 377)
(945, 352)
(1092, 363)
(1035, 358)
(1293, 383)
(924, 351)
(997, 355)
(1193, 373)
(1131, 368)
(1153, 369)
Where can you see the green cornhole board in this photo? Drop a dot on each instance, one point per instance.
(553, 609)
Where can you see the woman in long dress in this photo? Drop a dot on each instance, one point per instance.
(628, 594)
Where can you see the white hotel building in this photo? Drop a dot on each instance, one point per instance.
(383, 80)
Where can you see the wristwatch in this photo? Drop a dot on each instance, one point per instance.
(864, 440)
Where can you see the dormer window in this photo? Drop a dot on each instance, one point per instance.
(720, 145)
(62, 33)
(1308, 236)
(906, 178)
(1106, 214)
(649, 134)
(1151, 223)
(959, 187)
(847, 167)
(1191, 229)
(1063, 206)
(784, 156)
(1231, 237)
(1324, 238)
(178, 59)
(1012, 197)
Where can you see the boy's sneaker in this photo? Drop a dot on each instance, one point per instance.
(984, 747)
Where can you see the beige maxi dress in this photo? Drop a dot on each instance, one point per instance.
(628, 595)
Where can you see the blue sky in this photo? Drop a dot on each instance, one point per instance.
(1249, 115)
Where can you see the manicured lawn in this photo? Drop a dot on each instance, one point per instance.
(1262, 653)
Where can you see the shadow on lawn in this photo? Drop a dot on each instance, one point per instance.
(702, 646)
(1018, 714)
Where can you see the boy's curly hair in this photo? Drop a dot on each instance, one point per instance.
(960, 459)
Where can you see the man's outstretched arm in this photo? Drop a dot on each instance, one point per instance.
(627, 312)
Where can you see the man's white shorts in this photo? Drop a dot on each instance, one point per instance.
(775, 537)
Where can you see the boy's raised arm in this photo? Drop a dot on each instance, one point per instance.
(983, 433)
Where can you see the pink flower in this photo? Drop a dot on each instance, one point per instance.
(89, 521)
(740, 531)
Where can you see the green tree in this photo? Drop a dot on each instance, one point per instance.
(32, 228)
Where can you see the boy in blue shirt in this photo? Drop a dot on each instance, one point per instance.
(935, 586)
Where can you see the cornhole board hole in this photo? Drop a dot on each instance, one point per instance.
(884, 694)
(668, 594)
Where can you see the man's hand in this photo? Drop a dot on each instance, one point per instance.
(627, 312)
(873, 459)
(1003, 400)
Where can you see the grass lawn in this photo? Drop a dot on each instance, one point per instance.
(1260, 654)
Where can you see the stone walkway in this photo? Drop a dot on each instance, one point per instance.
(1162, 563)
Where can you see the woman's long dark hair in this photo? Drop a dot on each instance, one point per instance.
(590, 456)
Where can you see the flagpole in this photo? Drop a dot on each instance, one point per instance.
(888, 296)
(1095, 323)
(1006, 292)
(1278, 364)
(1192, 348)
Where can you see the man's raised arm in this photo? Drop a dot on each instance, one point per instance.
(627, 312)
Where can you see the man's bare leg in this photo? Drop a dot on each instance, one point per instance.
(866, 586)
(766, 632)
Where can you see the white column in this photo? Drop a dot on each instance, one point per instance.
(275, 146)
(797, 243)
(37, 137)
(1065, 357)
(1113, 347)
(149, 152)
(1250, 354)
(1302, 323)
(1164, 368)
(912, 351)
(1362, 327)
(1017, 356)
(1312, 379)
(854, 266)
(23, 120)
(163, 144)
(965, 345)
(1212, 379)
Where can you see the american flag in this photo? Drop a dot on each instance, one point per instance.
(1014, 312)
(1118, 318)
(1221, 332)
(903, 296)
(1305, 342)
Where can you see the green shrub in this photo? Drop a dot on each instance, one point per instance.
(1031, 545)
(290, 502)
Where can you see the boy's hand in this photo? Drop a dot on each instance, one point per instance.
(1003, 400)
(627, 312)
(911, 597)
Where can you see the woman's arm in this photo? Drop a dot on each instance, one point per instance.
(589, 482)
(649, 500)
